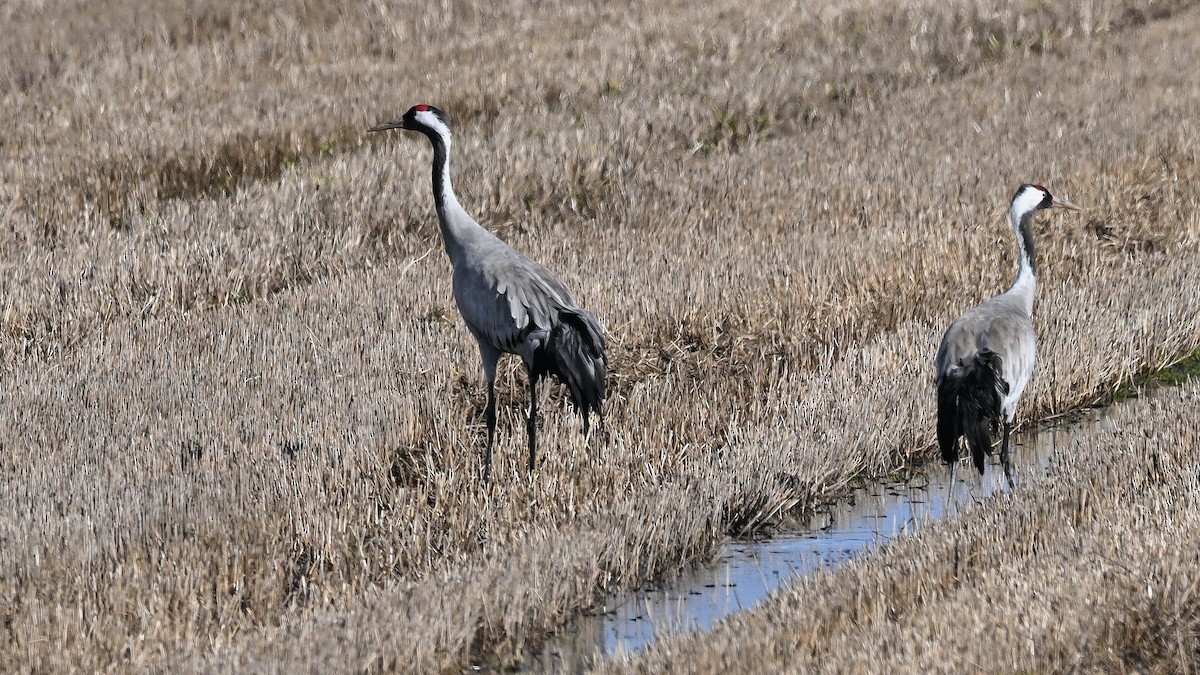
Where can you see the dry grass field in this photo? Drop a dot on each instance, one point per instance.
(240, 419)
(1090, 569)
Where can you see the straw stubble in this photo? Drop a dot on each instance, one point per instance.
(243, 420)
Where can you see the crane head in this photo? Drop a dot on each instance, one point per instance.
(423, 118)
(1031, 198)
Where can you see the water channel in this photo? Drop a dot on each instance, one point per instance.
(744, 572)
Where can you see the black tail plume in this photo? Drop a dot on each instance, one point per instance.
(949, 427)
(969, 402)
(574, 352)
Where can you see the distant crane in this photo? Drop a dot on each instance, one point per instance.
(987, 355)
(510, 303)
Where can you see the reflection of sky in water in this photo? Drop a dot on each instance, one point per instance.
(746, 571)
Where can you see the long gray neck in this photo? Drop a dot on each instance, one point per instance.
(1025, 285)
(456, 225)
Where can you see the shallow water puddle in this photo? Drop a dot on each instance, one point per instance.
(744, 572)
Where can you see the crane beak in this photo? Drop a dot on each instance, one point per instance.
(394, 124)
(1064, 205)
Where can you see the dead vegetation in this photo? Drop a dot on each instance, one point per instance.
(243, 419)
(1091, 568)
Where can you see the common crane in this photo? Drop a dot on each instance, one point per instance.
(987, 355)
(510, 303)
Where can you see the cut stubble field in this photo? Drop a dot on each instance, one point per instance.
(243, 421)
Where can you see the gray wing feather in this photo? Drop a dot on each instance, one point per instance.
(999, 325)
(520, 297)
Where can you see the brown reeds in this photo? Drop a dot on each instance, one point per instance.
(242, 419)
(1088, 569)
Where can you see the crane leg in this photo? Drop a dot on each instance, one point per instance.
(950, 503)
(1004, 458)
(490, 416)
(490, 357)
(532, 422)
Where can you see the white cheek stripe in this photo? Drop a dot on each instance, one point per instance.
(429, 119)
(1029, 198)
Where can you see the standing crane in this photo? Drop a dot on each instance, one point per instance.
(987, 355)
(511, 304)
